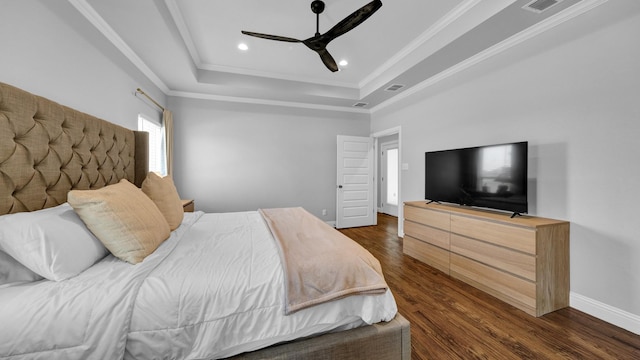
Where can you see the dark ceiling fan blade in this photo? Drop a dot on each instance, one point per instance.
(328, 60)
(271, 37)
(318, 43)
(353, 20)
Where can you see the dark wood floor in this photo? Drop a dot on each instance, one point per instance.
(452, 320)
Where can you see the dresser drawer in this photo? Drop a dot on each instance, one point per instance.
(514, 262)
(428, 254)
(437, 219)
(514, 237)
(509, 288)
(427, 234)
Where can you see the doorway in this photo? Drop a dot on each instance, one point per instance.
(388, 175)
(380, 137)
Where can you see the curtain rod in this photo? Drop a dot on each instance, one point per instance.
(149, 97)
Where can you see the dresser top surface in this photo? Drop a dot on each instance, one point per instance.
(504, 217)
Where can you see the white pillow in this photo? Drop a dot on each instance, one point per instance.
(53, 242)
(11, 271)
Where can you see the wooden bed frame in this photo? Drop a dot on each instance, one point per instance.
(47, 149)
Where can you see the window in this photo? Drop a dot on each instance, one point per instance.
(157, 157)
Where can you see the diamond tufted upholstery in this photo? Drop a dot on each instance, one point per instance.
(47, 149)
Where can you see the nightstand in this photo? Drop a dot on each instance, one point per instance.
(188, 205)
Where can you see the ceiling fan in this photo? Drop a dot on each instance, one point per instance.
(319, 42)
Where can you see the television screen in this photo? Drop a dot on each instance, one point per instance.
(493, 176)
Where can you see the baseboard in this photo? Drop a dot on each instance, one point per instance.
(604, 312)
(331, 223)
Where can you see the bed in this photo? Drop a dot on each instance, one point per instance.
(218, 286)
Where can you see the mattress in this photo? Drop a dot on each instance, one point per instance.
(213, 289)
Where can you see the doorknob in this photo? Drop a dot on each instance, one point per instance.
(339, 186)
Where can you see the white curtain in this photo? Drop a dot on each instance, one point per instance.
(167, 122)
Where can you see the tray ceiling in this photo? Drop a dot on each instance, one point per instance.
(190, 47)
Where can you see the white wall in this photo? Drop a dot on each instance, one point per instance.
(48, 48)
(236, 157)
(574, 94)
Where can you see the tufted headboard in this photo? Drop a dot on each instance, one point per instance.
(47, 149)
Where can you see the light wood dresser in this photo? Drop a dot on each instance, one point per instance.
(523, 261)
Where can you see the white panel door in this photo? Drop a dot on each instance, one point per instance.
(355, 182)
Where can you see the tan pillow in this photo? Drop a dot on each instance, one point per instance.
(123, 218)
(165, 195)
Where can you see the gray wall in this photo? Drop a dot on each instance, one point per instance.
(574, 94)
(236, 157)
(48, 48)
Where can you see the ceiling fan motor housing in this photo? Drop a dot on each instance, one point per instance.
(317, 6)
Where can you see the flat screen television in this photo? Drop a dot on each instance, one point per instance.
(492, 176)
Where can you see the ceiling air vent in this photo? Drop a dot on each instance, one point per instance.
(394, 87)
(540, 5)
(360, 104)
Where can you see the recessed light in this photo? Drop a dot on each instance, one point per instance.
(344, 63)
(243, 47)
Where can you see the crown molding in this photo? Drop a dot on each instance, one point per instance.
(442, 24)
(183, 29)
(539, 28)
(254, 101)
(276, 76)
(96, 20)
(103, 27)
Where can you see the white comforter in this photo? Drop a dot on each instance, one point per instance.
(213, 289)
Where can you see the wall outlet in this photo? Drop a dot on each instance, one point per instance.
(324, 212)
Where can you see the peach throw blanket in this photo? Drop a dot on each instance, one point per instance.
(320, 264)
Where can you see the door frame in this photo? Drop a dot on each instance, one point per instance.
(376, 136)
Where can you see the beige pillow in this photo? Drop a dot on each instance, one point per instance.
(165, 195)
(123, 218)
